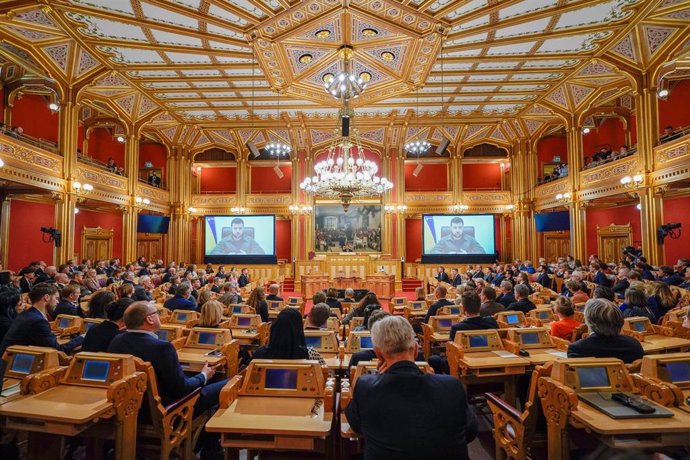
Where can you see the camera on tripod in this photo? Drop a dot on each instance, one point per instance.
(671, 230)
(54, 235)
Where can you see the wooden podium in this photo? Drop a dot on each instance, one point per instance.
(314, 283)
(382, 285)
(344, 282)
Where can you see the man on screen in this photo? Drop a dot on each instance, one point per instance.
(237, 242)
(457, 242)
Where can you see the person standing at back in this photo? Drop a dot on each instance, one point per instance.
(431, 413)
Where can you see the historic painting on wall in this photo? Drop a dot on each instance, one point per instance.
(357, 230)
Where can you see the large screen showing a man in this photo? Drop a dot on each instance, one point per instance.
(239, 236)
(467, 234)
(237, 242)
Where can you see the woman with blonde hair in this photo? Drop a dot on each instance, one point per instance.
(257, 300)
(661, 298)
(211, 314)
(204, 296)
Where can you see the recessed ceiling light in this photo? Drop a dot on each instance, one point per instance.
(306, 58)
(365, 76)
(327, 77)
(369, 32)
(388, 56)
(323, 33)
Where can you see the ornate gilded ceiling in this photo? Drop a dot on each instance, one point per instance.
(484, 69)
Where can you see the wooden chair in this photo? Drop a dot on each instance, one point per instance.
(515, 433)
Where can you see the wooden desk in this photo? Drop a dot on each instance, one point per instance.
(343, 282)
(193, 359)
(313, 283)
(539, 356)
(382, 285)
(245, 336)
(668, 344)
(488, 367)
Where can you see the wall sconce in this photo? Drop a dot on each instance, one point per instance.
(662, 93)
(393, 209)
(459, 207)
(563, 196)
(53, 106)
(238, 210)
(81, 189)
(139, 200)
(510, 207)
(120, 139)
(192, 210)
(76, 211)
(2, 163)
(638, 206)
(586, 130)
(632, 182)
(297, 209)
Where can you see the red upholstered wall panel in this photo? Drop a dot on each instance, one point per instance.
(156, 154)
(482, 176)
(265, 180)
(25, 240)
(433, 177)
(31, 112)
(413, 240)
(219, 180)
(102, 145)
(106, 220)
(674, 111)
(606, 216)
(548, 147)
(676, 210)
(284, 239)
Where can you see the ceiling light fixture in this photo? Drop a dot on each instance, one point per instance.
(344, 85)
(53, 106)
(417, 146)
(278, 149)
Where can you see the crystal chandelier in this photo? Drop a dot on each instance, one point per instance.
(417, 147)
(344, 85)
(278, 149)
(346, 173)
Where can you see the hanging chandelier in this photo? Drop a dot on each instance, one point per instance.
(417, 147)
(278, 149)
(346, 173)
(345, 85)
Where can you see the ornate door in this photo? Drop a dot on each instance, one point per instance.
(556, 244)
(96, 243)
(611, 241)
(150, 245)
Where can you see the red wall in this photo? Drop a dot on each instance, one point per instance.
(264, 179)
(676, 210)
(156, 154)
(433, 177)
(25, 240)
(31, 112)
(611, 131)
(284, 239)
(604, 217)
(413, 240)
(547, 148)
(105, 220)
(674, 111)
(633, 130)
(218, 180)
(482, 176)
(102, 145)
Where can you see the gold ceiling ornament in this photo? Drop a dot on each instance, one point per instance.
(306, 58)
(369, 32)
(345, 85)
(323, 33)
(388, 56)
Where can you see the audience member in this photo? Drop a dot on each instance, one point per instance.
(211, 314)
(566, 323)
(318, 316)
(440, 292)
(522, 303)
(257, 300)
(69, 302)
(287, 339)
(10, 303)
(489, 305)
(181, 300)
(98, 338)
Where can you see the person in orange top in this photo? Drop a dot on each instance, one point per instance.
(566, 323)
(578, 296)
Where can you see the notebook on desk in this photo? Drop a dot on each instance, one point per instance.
(603, 402)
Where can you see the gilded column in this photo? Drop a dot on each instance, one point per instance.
(68, 134)
(456, 177)
(179, 244)
(577, 209)
(130, 214)
(578, 229)
(647, 119)
(389, 197)
(523, 239)
(64, 221)
(651, 216)
(4, 229)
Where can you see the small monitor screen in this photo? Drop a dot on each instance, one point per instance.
(417, 305)
(95, 370)
(292, 301)
(244, 321)
(182, 316)
(640, 326)
(544, 315)
(162, 334)
(64, 322)
(677, 372)
(314, 342)
(479, 341)
(365, 342)
(22, 363)
(593, 377)
(399, 301)
(445, 323)
(530, 338)
(454, 310)
(237, 309)
(207, 338)
(281, 379)
(513, 319)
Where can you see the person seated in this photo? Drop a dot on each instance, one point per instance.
(455, 279)
(10, 303)
(142, 322)
(287, 339)
(349, 296)
(566, 323)
(90, 281)
(358, 310)
(369, 355)
(181, 300)
(15, 132)
(667, 275)
(211, 314)
(441, 424)
(600, 277)
(98, 338)
(273, 291)
(605, 321)
(230, 295)
(419, 294)
(368, 311)
(332, 299)
(574, 288)
(522, 303)
(669, 135)
(662, 299)
(543, 278)
(317, 318)
(27, 280)
(441, 301)
(635, 304)
(441, 275)
(621, 282)
(69, 302)
(489, 306)
(507, 296)
(257, 300)
(31, 327)
(523, 278)
(142, 291)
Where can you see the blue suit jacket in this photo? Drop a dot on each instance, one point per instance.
(31, 328)
(433, 308)
(432, 418)
(179, 303)
(172, 383)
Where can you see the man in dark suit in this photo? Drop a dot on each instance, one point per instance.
(243, 279)
(273, 291)
(605, 321)
(433, 419)
(489, 305)
(142, 291)
(507, 297)
(98, 338)
(140, 340)
(522, 303)
(26, 282)
(668, 276)
(455, 279)
(181, 300)
(69, 301)
(31, 327)
(621, 283)
(441, 275)
(473, 321)
(230, 295)
(599, 276)
(441, 301)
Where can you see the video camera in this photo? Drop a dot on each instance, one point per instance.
(662, 231)
(635, 253)
(54, 235)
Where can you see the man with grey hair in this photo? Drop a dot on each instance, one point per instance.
(181, 300)
(273, 291)
(506, 297)
(142, 291)
(605, 320)
(230, 295)
(433, 419)
(522, 302)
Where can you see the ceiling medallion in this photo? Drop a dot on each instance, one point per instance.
(388, 56)
(323, 33)
(306, 58)
(365, 77)
(368, 32)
